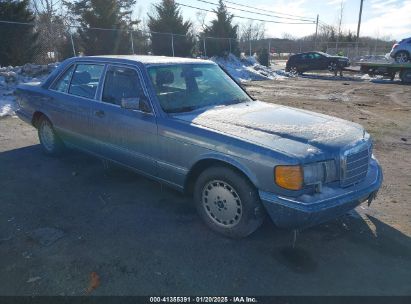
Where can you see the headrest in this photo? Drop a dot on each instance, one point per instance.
(164, 77)
(82, 77)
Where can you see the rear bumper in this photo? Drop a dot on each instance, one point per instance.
(310, 210)
(24, 116)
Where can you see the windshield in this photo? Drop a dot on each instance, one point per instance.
(187, 87)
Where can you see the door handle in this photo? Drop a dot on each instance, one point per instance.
(99, 113)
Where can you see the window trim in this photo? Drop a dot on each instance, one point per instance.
(99, 98)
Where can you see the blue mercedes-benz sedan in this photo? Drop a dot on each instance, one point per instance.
(188, 124)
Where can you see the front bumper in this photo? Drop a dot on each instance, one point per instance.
(309, 210)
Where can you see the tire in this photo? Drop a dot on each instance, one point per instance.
(294, 71)
(405, 76)
(49, 140)
(332, 66)
(402, 57)
(228, 203)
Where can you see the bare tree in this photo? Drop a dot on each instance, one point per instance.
(252, 31)
(53, 28)
(287, 36)
(340, 18)
(200, 17)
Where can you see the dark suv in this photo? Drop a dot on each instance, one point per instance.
(314, 61)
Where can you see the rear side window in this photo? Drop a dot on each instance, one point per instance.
(121, 83)
(62, 84)
(85, 80)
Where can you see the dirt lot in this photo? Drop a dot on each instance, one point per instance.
(63, 218)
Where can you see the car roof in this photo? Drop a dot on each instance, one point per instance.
(304, 53)
(147, 59)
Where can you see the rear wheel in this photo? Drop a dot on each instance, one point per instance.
(405, 76)
(227, 202)
(294, 70)
(402, 57)
(49, 140)
(332, 67)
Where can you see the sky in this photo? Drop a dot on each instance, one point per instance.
(380, 19)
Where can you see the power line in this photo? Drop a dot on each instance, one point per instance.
(242, 17)
(266, 10)
(257, 13)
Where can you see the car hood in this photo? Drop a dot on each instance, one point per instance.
(290, 130)
(339, 58)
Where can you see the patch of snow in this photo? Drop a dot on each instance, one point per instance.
(248, 68)
(11, 77)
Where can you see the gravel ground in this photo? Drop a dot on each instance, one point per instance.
(70, 227)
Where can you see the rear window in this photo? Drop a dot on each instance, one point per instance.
(62, 84)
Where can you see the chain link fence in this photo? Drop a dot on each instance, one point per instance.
(55, 42)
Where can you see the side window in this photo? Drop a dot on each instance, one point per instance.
(85, 80)
(121, 83)
(317, 56)
(62, 84)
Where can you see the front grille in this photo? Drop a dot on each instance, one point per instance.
(354, 166)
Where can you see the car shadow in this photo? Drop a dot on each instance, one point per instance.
(145, 238)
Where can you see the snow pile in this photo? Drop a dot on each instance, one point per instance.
(10, 77)
(247, 68)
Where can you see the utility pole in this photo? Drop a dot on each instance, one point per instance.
(316, 32)
(359, 25)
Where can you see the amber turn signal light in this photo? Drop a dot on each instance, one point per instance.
(289, 177)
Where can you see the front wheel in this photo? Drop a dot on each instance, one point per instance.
(49, 140)
(227, 202)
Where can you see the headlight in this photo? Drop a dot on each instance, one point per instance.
(294, 177)
(320, 172)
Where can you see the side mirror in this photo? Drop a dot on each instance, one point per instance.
(136, 103)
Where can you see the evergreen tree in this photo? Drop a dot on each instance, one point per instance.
(168, 19)
(103, 14)
(221, 27)
(19, 42)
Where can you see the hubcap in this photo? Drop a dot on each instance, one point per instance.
(47, 135)
(332, 66)
(401, 57)
(222, 203)
(293, 70)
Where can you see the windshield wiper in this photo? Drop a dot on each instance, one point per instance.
(184, 109)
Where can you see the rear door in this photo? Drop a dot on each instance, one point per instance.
(74, 94)
(305, 62)
(125, 135)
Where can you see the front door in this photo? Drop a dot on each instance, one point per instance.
(124, 135)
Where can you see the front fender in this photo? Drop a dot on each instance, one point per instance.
(228, 159)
